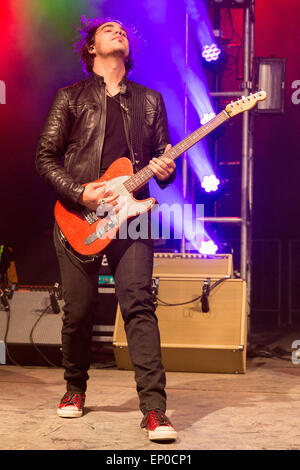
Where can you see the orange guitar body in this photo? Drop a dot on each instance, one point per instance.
(89, 234)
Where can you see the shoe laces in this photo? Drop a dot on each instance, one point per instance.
(71, 398)
(158, 417)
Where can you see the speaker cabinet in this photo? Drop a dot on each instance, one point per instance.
(27, 309)
(191, 340)
(33, 330)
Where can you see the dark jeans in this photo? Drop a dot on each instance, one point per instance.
(131, 263)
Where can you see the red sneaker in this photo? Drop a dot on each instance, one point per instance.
(71, 405)
(158, 426)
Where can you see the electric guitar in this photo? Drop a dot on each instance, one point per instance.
(89, 232)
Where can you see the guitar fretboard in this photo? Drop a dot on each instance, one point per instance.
(139, 179)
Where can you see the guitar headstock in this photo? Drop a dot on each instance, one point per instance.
(245, 103)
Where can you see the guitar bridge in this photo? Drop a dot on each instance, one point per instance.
(102, 231)
(91, 238)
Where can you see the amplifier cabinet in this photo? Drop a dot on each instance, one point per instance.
(33, 332)
(192, 264)
(31, 314)
(191, 340)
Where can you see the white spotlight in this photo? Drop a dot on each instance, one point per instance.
(210, 183)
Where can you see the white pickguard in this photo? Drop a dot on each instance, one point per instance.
(130, 207)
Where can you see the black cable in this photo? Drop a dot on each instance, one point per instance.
(182, 303)
(261, 350)
(44, 312)
(65, 244)
(193, 300)
(7, 310)
(235, 33)
(8, 315)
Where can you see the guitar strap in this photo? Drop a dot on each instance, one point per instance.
(137, 116)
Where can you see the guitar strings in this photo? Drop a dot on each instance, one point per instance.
(146, 173)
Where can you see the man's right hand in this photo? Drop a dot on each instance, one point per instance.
(94, 194)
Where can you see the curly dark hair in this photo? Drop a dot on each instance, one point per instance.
(86, 39)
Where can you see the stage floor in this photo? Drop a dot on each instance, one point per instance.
(256, 410)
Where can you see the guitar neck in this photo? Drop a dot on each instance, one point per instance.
(139, 179)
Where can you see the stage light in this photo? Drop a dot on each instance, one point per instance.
(211, 52)
(214, 57)
(207, 117)
(208, 248)
(210, 183)
(270, 76)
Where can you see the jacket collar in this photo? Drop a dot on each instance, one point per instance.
(99, 79)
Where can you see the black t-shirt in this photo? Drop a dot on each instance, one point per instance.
(115, 144)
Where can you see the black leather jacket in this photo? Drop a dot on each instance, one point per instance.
(71, 141)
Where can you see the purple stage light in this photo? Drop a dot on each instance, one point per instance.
(210, 183)
(211, 53)
(208, 248)
(207, 117)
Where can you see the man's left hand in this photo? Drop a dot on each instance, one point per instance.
(163, 167)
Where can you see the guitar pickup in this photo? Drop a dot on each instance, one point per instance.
(90, 216)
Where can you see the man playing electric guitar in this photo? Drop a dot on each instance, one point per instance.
(90, 125)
